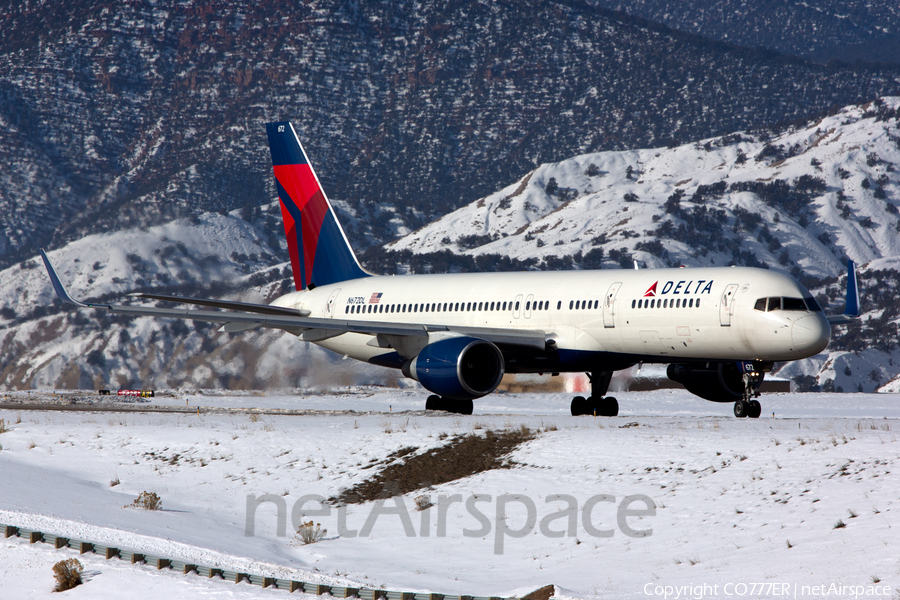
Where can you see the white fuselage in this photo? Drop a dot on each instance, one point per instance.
(652, 315)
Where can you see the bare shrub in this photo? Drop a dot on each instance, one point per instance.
(67, 574)
(423, 502)
(114, 482)
(310, 533)
(3, 427)
(147, 501)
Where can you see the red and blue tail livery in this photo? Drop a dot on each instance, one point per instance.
(319, 250)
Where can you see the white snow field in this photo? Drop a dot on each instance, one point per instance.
(803, 504)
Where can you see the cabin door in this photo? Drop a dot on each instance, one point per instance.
(529, 300)
(726, 306)
(609, 305)
(329, 306)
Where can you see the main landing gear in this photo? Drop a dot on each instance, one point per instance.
(747, 407)
(598, 404)
(460, 407)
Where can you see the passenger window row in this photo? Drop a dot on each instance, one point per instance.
(666, 303)
(435, 307)
(762, 304)
(464, 306)
(582, 304)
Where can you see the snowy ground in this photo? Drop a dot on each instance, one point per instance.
(736, 501)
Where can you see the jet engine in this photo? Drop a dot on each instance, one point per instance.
(461, 368)
(718, 382)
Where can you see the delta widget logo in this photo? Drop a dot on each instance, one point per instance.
(685, 287)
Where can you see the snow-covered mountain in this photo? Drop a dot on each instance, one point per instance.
(45, 345)
(154, 110)
(839, 176)
(802, 200)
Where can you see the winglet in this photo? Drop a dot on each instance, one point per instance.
(851, 309)
(58, 286)
(851, 306)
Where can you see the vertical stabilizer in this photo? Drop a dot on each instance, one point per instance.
(319, 250)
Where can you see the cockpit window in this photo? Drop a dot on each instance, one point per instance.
(793, 304)
(812, 305)
(770, 304)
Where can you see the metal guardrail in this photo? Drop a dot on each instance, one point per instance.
(289, 585)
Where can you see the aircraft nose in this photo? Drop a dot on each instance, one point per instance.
(811, 333)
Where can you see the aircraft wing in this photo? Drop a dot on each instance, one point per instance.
(851, 307)
(266, 309)
(250, 316)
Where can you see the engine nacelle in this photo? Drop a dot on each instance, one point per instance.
(462, 368)
(720, 382)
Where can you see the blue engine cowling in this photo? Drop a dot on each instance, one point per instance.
(462, 368)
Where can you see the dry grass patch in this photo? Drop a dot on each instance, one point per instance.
(463, 456)
(544, 593)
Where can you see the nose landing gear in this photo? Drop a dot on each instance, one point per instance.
(746, 407)
(750, 409)
(597, 404)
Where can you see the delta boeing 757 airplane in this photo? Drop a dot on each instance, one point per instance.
(720, 330)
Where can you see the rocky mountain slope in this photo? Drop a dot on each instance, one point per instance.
(136, 114)
(802, 200)
(44, 345)
(825, 30)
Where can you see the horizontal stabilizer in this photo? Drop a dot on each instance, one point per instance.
(264, 309)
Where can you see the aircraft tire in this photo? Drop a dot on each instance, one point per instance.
(741, 409)
(434, 402)
(579, 406)
(460, 407)
(754, 410)
(611, 406)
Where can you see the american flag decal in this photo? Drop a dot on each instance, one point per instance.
(376, 298)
